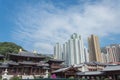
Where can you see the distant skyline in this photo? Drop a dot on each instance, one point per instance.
(40, 24)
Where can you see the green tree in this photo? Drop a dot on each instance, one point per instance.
(9, 47)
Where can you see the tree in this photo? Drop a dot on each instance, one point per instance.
(9, 47)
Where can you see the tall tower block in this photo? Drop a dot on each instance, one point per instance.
(94, 49)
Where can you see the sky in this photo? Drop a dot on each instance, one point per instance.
(40, 24)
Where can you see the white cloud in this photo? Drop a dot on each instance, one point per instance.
(41, 26)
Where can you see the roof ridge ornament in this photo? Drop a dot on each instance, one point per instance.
(20, 50)
(34, 51)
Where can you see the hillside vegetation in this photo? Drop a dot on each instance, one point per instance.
(9, 47)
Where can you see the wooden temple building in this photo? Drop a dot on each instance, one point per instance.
(28, 63)
(55, 64)
(90, 71)
(24, 63)
(66, 72)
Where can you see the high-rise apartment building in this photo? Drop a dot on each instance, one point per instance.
(94, 49)
(86, 54)
(58, 51)
(72, 51)
(76, 49)
(104, 57)
(65, 53)
(113, 53)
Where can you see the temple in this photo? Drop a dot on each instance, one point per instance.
(24, 63)
(55, 64)
(90, 70)
(27, 64)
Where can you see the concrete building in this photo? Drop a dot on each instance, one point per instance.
(113, 53)
(94, 48)
(86, 54)
(104, 57)
(58, 51)
(74, 50)
(65, 53)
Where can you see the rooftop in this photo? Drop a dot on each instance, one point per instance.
(90, 73)
(55, 60)
(112, 68)
(27, 54)
(1, 55)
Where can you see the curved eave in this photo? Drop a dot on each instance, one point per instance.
(1, 56)
(55, 61)
(20, 55)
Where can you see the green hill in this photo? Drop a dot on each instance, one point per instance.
(9, 47)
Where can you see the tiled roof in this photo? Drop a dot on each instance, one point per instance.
(4, 65)
(95, 63)
(55, 60)
(27, 54)
(64, 69)
(27, 63)
(80, 65)
(60, 70)
(45, 67)
(39, 64)
(93, 73)
(12, 63)
(89, 63)
(90, 73)
(1, 55)
(112, 68)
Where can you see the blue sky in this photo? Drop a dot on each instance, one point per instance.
(39, 24)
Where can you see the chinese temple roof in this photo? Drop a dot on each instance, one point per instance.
(95, 63)
(112, 68)
(55, 61)
(65, 69)
(60, 70)
(4, 65)
(26, 54)
(12, 63)
(1, 56)
(27, 63)
(42, 64)
(90, 73)
(24, 63)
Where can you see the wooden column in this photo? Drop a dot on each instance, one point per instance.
(114, 78)
(22, 70)
(39, 70)
(17, 70)
(65, 75)
(31, 70)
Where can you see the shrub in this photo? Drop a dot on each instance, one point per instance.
(71, 77)
(106, 79)
(15, 78)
